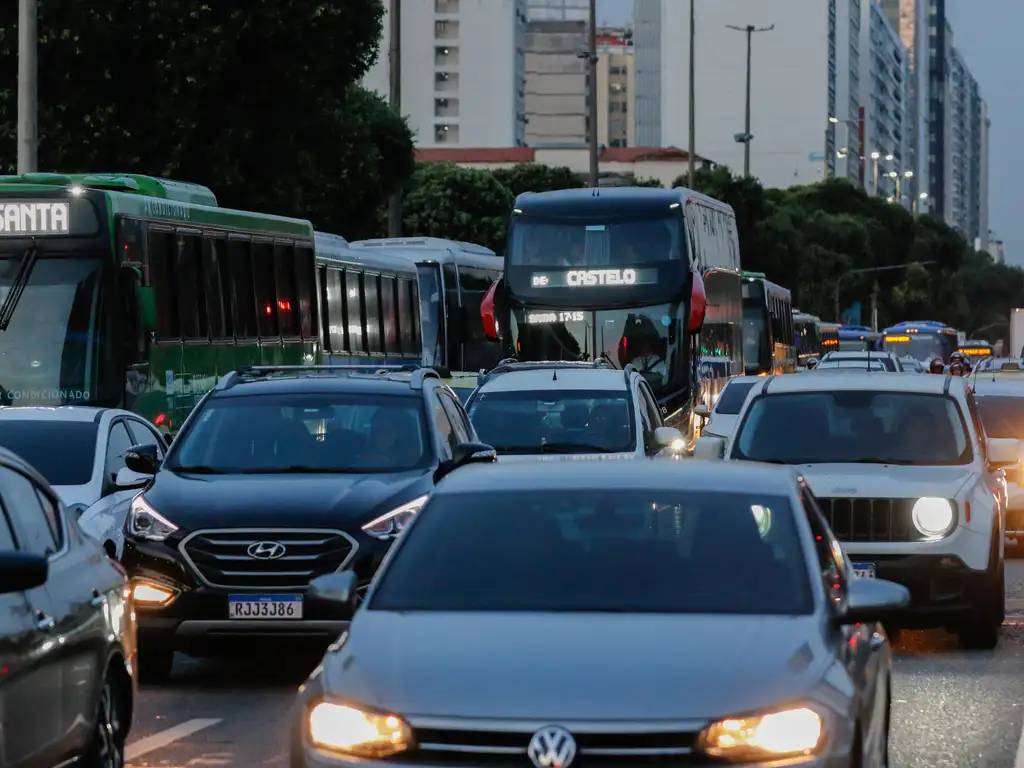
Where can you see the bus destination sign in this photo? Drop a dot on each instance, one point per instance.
(20, 219)
(593, 278)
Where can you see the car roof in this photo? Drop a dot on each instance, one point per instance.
(985, 385)
(744, 380)
(855, 354)
(855, 380)
(313, 383)
(689, 475)
(55, 413)
(544, 378)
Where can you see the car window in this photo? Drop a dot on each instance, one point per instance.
(456, 416)
(143, 435)
(733, 397)
(6, 536)
(645, 420)
(560, 550)
(828, 550)
(52, 515)
(118, 443)
(443, 426)
(34, 441)
(22, 504)
(979, 425)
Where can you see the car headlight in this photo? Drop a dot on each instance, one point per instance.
(932, 517)
(389, 525)
(144, 522)
(151, 594)
(353, 731)
(784, 733)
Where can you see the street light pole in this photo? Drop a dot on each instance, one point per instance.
(592, 102)
(867, 270)
(395, 100)
(747, 136)
(692, 151)
(28, 90)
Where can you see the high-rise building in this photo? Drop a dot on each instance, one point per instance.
(558, 10)
(556, 83)
(616, 88)
(795, 87)
(462, 71)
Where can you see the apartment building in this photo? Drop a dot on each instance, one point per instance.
(616, 88)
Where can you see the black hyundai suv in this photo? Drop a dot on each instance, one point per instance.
(278, 476)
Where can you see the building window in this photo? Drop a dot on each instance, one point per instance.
(446, 133)
(446, 55)
(446, 29)
(446, 107)
(446, 81)
(446, 6)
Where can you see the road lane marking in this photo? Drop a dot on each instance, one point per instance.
(163, 738)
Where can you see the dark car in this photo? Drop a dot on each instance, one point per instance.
(67, 634)
(281, 475)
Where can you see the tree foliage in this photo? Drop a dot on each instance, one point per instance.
(255, 98)
(535, 177)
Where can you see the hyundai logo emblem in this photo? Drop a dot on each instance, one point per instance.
(266, 550)
(552, 747)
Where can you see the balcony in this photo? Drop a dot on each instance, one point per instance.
(446, 107)
(446, 56)
(446, 82)
(446, 133)
(446, 29)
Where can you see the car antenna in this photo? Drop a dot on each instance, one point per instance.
(554, 374)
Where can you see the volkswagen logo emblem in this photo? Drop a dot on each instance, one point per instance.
(552, 747)
(266, 550)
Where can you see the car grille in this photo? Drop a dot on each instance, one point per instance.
(221, 558)
(498, 749)
(870, 519)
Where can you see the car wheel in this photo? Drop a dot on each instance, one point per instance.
(982, 630)
(857, 754)
(111, 729)
(155, 663)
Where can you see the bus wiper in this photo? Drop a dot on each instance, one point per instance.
(28, 261)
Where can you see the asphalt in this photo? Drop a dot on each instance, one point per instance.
(951, 708)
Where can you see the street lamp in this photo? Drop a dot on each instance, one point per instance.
(868, 270)
(920, 199)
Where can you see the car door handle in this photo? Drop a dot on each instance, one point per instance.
(45, 623)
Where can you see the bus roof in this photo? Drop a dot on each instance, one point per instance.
(335, 249)
(150, 186)
(618, 199)
(434, 249)
(773, 289)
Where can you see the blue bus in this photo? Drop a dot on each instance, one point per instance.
(859, 338)
(923, 340)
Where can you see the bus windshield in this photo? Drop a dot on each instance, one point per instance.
(920, 346)
(48, 351)
(580, 243)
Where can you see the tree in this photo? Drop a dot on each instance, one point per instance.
(444, 200)
(536, 177)
(253, 98)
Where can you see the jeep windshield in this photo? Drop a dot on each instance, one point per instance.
(314, 433)
(854, 427)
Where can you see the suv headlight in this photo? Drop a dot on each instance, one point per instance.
(354, 731)
(389, 525)
(144, 522)
(785, 733)
(933, 517)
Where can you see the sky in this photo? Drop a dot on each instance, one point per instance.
(988, 34)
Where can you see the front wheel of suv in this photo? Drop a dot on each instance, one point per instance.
(981, 632)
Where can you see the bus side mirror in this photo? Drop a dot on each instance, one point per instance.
(488, 315)
(698, 303)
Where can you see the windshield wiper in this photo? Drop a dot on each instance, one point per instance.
(199, 469)
(28, 261)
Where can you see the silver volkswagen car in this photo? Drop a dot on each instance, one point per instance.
(607, 615)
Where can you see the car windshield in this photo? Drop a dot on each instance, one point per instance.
(1002, 415)
(36, 442)
(733, 397)
(554, 421)
(601, 550)
(304, 433)
(854, 427)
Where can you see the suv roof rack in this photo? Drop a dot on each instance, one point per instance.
(509, 365)
(258, 371)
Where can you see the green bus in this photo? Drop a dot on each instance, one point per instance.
(131, 291)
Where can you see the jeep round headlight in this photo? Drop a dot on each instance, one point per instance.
(932, 517)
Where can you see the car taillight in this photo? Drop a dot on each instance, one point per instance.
(487, 313)
(698, 304)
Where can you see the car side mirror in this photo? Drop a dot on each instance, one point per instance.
(336, 589)
(463, 454)
(128, 478)
(668, 437)
(701, 411)
(20, 571)
(710, 448)
(812, 363)
(1003, 451)
(142, 459)
(871, 600)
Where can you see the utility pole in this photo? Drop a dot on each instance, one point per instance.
(746, 137)
(692, 151)
(28, 89)
(592, 104)
(869, 270)
(395, 100)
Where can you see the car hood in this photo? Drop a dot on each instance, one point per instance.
(575, 666)
(884, 480)
(519, 458)
(202, 501)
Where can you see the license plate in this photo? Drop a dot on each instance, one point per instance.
(864, 570)
(265, 607)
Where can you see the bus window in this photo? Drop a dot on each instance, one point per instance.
(417, 341)
(243, 300)
(371, 299)
(431, 314)
(266, 295)
(191, 303)
(287, 302)
(304, 287)
(405, 320)
(161, 278)
(334, 333)
(218, 296)
(354, 303)
(453, 317)
(389, 314)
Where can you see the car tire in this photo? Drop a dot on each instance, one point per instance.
(106, 750)
(981, 632)
(155, 663)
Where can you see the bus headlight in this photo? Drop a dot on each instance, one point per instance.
(351, 730)
(783, 733)
(932, 517)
